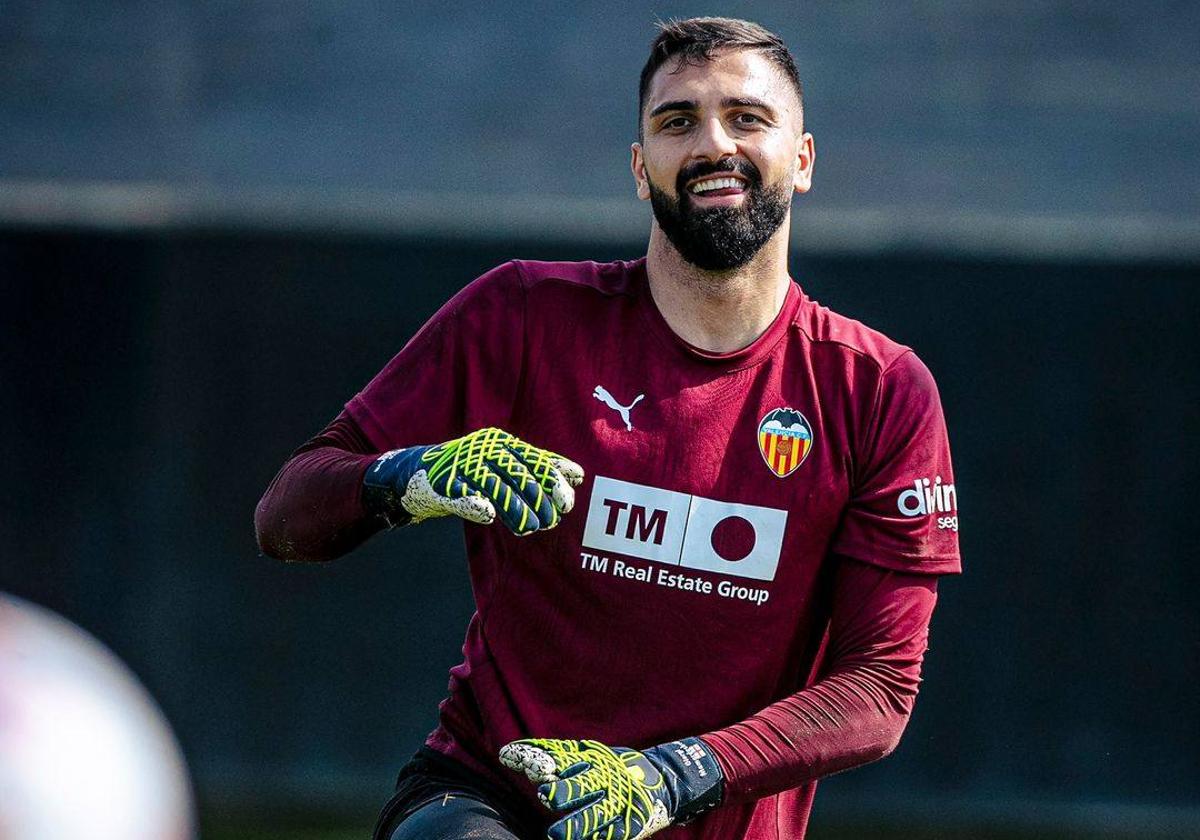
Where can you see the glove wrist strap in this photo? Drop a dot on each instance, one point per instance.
(695, 777)
(384, 482)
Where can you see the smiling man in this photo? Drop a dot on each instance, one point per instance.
(734, 506)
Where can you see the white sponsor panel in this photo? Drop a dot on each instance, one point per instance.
(703, 518)
(636, 520)
(676, 528)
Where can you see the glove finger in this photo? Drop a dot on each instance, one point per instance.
(571, 792)
(423, 499)
(560, 487)
(452, 495)
(465, 501)
(529, 757)
(557, 475)
(544, 471)
(510, 507)
(571, 471)
(513, 468)
(586, 824)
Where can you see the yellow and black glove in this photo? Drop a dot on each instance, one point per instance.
(479, 477)
(615, 793)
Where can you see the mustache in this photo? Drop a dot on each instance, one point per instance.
(730, 166)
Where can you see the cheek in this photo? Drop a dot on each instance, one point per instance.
(662, 164)
(661, 175)
(776, 168)
(776, 159)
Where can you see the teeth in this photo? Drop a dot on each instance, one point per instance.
(716, 184)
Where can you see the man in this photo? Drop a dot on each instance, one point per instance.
(741, 603)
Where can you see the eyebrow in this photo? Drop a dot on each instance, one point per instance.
(729, 102)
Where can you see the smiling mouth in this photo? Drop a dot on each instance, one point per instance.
(718, 186)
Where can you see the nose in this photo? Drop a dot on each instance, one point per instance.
(713, 141)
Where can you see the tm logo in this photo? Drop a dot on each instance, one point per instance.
(680, 529)
(640, 524)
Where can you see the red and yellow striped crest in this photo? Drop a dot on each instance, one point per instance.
(785, 438)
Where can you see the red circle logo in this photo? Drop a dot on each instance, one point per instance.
(733, 538)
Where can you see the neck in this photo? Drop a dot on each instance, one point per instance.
(718, 311)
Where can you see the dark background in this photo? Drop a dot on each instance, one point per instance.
(218, 221)
(158, 382)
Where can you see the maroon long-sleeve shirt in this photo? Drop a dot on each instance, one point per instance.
(313, 511)
(753, 555)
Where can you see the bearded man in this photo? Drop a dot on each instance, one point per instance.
(722, 508)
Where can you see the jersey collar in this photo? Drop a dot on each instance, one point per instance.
(753, 353)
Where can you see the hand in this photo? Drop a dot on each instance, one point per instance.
(614, 793)
(479, 476)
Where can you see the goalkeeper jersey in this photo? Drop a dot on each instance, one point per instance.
(688, 588)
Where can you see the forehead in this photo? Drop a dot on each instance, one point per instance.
(729, 73)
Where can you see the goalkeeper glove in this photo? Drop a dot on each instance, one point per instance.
(479, 476)
(614, 793)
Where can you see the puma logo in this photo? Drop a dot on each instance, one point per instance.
(601, 393)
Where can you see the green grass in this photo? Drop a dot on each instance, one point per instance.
(251, 823)
(245, 830)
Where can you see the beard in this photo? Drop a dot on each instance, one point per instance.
(721, 238)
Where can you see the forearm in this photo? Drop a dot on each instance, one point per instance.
(841, 722)
(313, 509)
(878, 630)
(856, 712)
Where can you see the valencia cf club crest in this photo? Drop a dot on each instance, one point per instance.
(785, 438)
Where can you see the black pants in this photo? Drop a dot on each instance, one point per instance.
(438, 799)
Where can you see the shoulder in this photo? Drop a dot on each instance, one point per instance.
(517, 280)
(833, 332)
(511, 291)
(866, 359)
(587, 276)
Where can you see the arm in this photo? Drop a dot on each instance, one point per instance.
(856, 712)
(313, 510)
(335, 491)
(888, 551)
(455, 381)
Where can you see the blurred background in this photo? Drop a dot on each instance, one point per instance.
(218, 220)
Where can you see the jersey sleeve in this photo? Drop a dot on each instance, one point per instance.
(858, 709)
(313, 509)
(460, 372)
(903, 510)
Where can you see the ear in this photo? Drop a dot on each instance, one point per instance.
(805, 157)
(637, 165)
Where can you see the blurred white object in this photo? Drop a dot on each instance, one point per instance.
(85, 754)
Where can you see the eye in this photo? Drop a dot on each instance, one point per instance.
(676, 122)
(747, 119)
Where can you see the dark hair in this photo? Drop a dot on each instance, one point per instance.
(694, 40)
